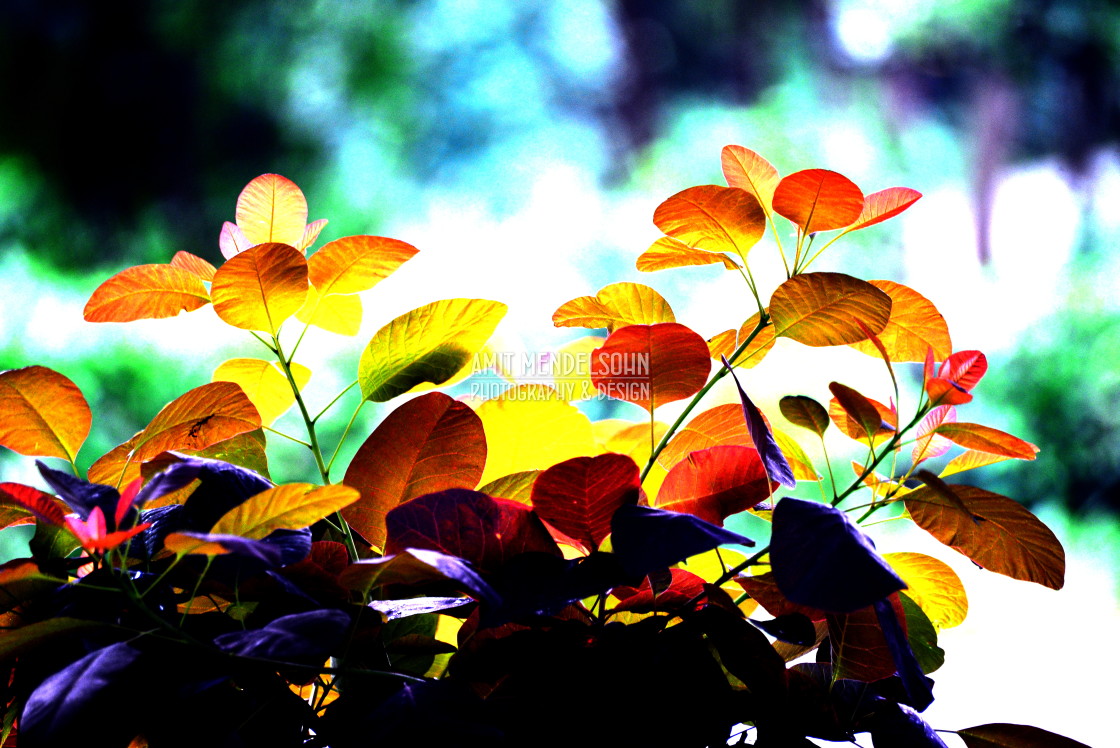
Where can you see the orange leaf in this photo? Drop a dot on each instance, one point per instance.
(715, 483)
(356, 263)
(667, 252)
(722, 345)
(615, 306)
(713, 218)
(996, 532)
(272, 208)
(818, 200)
(943, 392)
(914, 326)
(292, 506)
(987, 439)
(261, 287)
(745, 169)
(195, 420)
(858, 416)
(115, 467)
(194, 264)
(884, 204)
(428, 444)
(933, 585)
(650, 365)
(42, 413)
(146, 292)
(721, 425)
(579, 496)
(822, 309)
(969, 461)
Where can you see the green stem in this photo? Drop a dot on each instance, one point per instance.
(345, 432)
(336, 399)
(286, 436)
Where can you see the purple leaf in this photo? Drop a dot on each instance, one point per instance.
(914, 681)
(646, 539)
(777, 467)
(899, 726)
(303, 638)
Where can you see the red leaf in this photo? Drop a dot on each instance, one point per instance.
(964, 369)
(579, 496)
(41, 504)
(859, 650)
(884, 204)
(651, 365)
(715, 483)
(818, 200)
(927, 443)
(713, 218)
(684, 586)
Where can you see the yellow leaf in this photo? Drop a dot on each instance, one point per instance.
(515, 486)
(914, 326)
(264, 384)
(630, 439)
(194, 264)
(933, 585)
(292, 506)
(571, 369)
(529, 427)
(821, 309)
(356, 263)
(334, 313)
(970, 460)
(615, 306)
(184, 545)
(261, 287)
(42, 413)
(272, 209)
(429, 344)
(667, 252)
(745, 169)
(146, 292)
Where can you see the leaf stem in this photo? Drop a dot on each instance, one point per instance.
(286, 436)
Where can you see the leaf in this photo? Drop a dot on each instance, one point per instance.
(307, 638)
(986, 439)
(884, 204)
(514, 487)
(356, 263)
(22, 580)
(965, 369)
(722, 345)
(146, 292)
(970, 460)
(667, 253)
(415, 566)
(822, 560)
(745, 169)
(335, 313)
(264, 384)
(571, 369)
(292, 506)
(713, 218)
(33, 636)
(869, 418)
(804, 411)
(927, 444)
(777, 467)
(194, 264)
(429, 344)
(428, 444)
(188, 543)
(996, 532)
(529, 427)
(721, 425)
(859, 649)
(631, 439)
(715, 483)
(232, 240)
(921, 636)
(799, 462)
(272, 209)
(261, 287)
(1004, 735)
(472, 526)
(650, 365)
(914, 326)
(310, 234)
(818, 200)
(821, 309)
(615, 306)
(646, 539)
(579, 496)
(933, 586)
(196, 419)
(42, 505)
(42, 413)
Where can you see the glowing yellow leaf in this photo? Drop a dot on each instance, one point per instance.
(615, 306)
(334, 313)
(264, 384)
(356, 263)
(933, 585)
(272, 209)
(292, 506)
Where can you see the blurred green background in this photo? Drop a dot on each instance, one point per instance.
(523, 146)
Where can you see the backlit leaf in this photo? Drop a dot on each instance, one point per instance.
(428, 444)
(310, 234)
(261, 287)
(615, 306)
(721, 425)
(292, 506)
(1004, 735)
(820, 309)
(529, 427)
(964, 368)
(818, 200)
(745, 169)
(264, 384)
(42, 413)
(194, 264)
(146, 292)
(631, 439)
(667, 252)
(186, 544)
(970, 460)
(515, 486)
(571, 369)
(196, 419)
(921, 635)
(933, 585)
(884, 204)
(713, 218)
(914, 326)
(805, 412)
(272, 208)
(798, 461)
(927, 443)
(996, 532)
(579, 496)
(356, 263)
(34, 501)
(986, 439)
(722, 345)
(650, 365)
(429, 344)
(21, 580)
(715, 483)
(334, 313)
(858, 416)
(232, 240)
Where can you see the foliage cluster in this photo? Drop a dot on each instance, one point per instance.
(503, 569)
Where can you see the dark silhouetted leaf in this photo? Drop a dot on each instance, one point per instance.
(805, 412)
(1003, 735)
(777, 467)
(646, 539)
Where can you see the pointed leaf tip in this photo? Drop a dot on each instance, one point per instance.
(777, 467)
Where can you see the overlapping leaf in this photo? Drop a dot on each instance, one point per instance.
(996, 532)
(713, 218)
(715, 483)
(773, 459)
(726, 343)
(859, 650)
(884, 204)
(821, 309)
(292, 506)
(615, 306)
(31, 501)
(667, 253)
(334, 313)
(146, 292)
(261, 287)
(197, 419)
(721, 425)
(42, 413)
(356, 263)
(745, 169)
(914, 326)
(514, 487)
(986, 439)
(933, 585)
(272, 208)
(194, 264)
(579, 496)
(429, 344)
(264, 384)
(970, 460)
(428, 444)
(860, 417)
(927, 443)
(818, 200)
(650, 365)
(804, 411)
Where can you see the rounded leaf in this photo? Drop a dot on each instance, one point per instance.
(933, 585)
(713, 218)
(804, 411)
(261, 287)
(821, 309)
(264, 384)
(858, 416)
(196, 419)
(818, 200)
(292, 506)
(579, 496)
(718, 426)
(914, 326)
(334, 313)
(667, 252)
(42, 413)
(272, 208)
(146, 292)
(650, 365)
(715, 483)
(356, 263)
(615, 306)
(745, 169)
(194, 264)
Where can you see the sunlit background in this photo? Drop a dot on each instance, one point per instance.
(523, 146)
